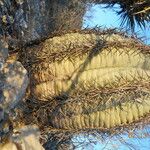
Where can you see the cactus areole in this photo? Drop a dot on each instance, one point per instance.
(99, 80)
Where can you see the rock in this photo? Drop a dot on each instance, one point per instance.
(1, 114)
(13, 80)
(25, 138)
(37, 19)
(3, 52)
(3, 56)
(13, 84)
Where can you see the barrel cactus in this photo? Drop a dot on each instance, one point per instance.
(94, 79)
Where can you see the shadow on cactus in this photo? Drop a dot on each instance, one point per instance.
(88, 80)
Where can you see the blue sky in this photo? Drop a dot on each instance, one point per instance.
(108, 18)
(121, 142)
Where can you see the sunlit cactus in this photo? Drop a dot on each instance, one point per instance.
(81, 81)
(98, 79)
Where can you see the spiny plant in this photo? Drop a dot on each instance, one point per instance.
(88, 80)
(131, 11)
(82, 81)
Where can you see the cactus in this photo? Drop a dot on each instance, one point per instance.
(98, 79)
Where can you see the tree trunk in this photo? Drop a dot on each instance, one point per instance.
(27, 21)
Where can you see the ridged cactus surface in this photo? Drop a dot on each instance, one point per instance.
(100, 79)
(78, 115)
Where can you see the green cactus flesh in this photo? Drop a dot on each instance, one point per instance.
(91, 69)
